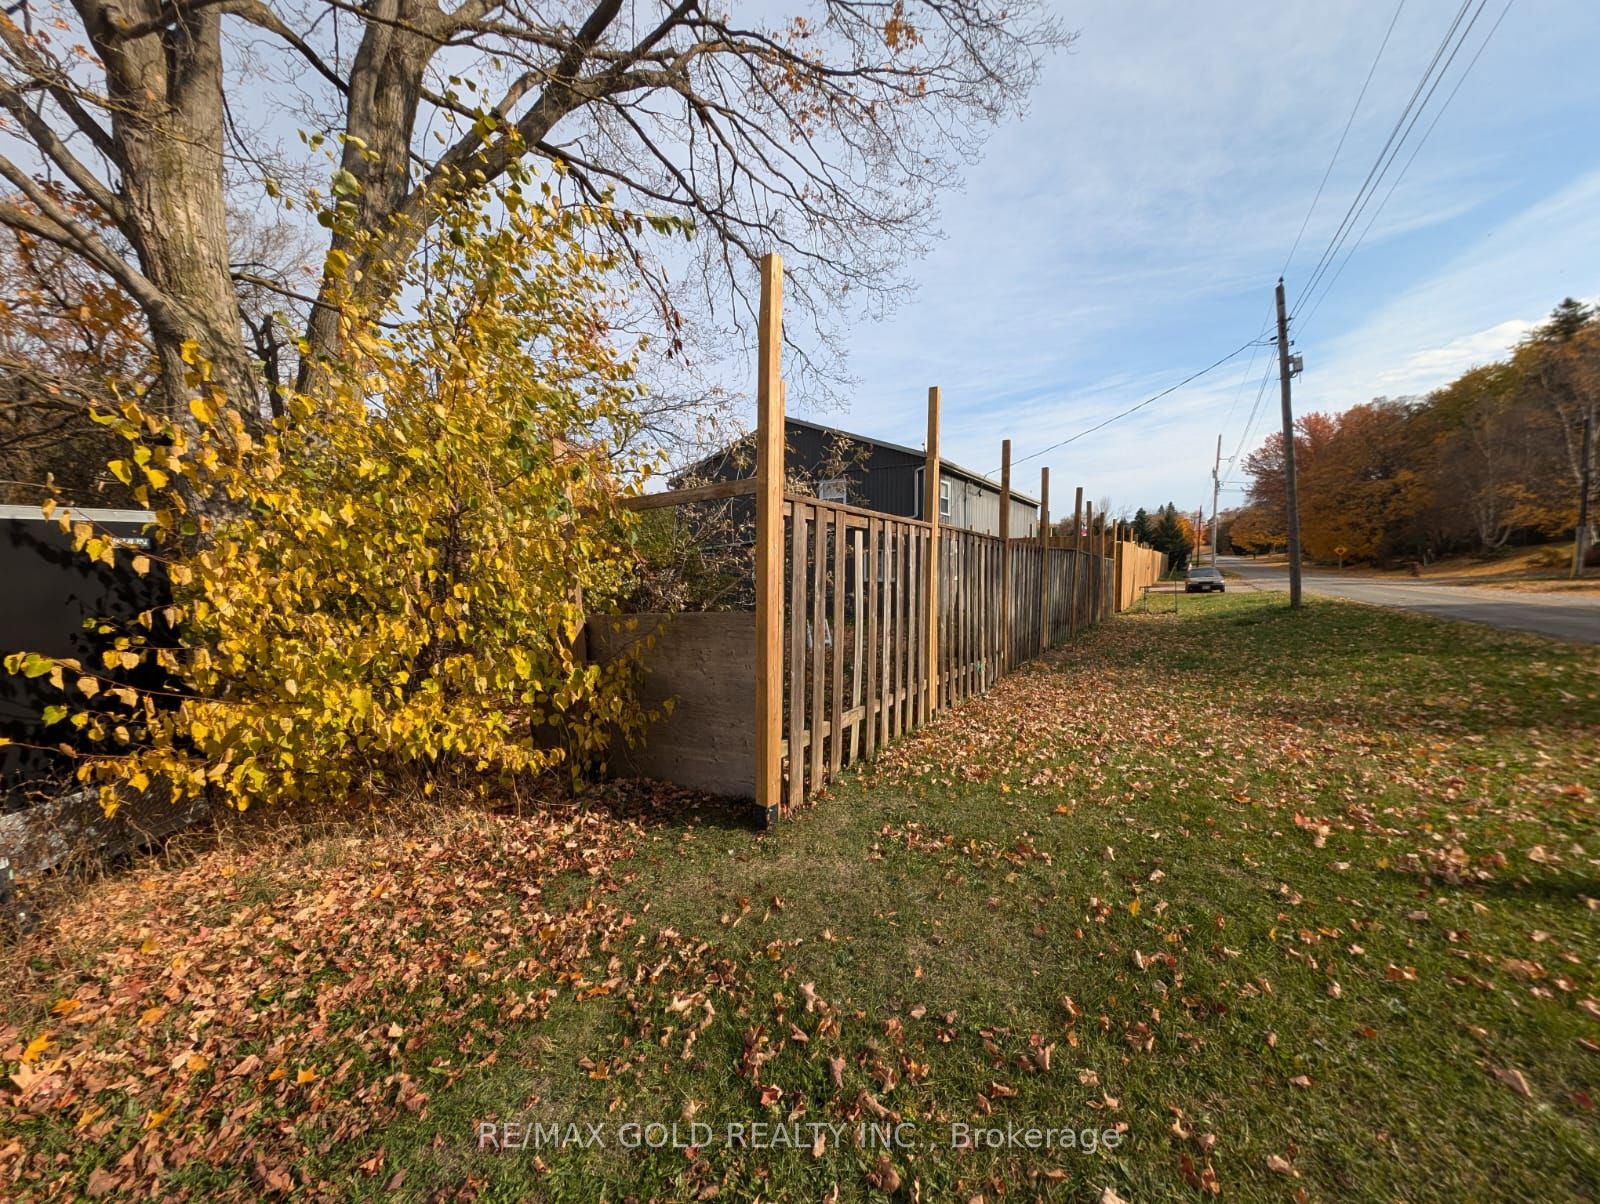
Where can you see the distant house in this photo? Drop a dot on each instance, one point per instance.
(872, 474)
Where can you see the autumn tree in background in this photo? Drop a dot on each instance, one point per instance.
(1362, 480)
(70, 340)
(1492, 457)
(1560, 364)
(1172, 534)
(1250, 532)
(827, 133)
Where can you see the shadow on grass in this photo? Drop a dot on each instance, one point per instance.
(654, 803)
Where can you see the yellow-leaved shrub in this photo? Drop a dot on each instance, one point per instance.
(390, 582)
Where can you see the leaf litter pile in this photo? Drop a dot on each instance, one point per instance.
(210, 1030)
(1235, 903)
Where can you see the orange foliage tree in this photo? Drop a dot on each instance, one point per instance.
(1492, 457)
(70, 339)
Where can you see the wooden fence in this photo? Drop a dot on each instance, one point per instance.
(865, 624)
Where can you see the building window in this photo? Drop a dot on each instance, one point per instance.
(834, 490)
(944, 499)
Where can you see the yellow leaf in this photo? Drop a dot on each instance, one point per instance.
(307, 1075)
(151, 1014)
(149, 945)
(36, 1047)
(65, 1007)
(204, 412)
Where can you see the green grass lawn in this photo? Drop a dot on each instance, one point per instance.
(1234, 900)
(1291, 905)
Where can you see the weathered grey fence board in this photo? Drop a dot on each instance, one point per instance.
(705, 663)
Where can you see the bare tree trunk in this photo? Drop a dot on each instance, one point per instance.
(167, 127)
(386, 83)
(385, 90)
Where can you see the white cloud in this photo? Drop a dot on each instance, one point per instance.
(1425, 369)
(1472, 309)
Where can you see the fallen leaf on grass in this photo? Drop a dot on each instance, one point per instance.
(1202, 1179)
(884, 1177)
(36, 1047)
(836, 1071)
(1513, 1079)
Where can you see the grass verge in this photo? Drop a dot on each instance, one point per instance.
(1281, 905)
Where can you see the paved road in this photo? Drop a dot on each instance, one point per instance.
(1564, 616)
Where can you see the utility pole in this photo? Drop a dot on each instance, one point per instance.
(1580, 543)
(1216, 488)
(1291, 498)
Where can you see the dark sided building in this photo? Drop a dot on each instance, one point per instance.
(873, 474)
(50, 597)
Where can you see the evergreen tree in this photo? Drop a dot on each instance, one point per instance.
(1141, 525)
(1168, 536)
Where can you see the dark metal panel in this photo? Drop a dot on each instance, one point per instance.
(49, 592)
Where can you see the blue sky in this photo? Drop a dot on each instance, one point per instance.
(1129, 231)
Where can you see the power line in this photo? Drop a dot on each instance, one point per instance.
(1244, 438)
(1250, 423)
(1416, 117)
(1211, 367)
(1423, 141)
(1349, 121)
(1448, 49)
(1248, 369)
(1386, 153)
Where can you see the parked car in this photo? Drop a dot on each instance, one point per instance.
(1204, 580)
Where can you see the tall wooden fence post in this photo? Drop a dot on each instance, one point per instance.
(1107, 565)
(1077, 562)
(1107, 550)
(1044, 560)
(930, 610)
(1005, 556)
(1116, 567)
(1091, 568)
(769, 543)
